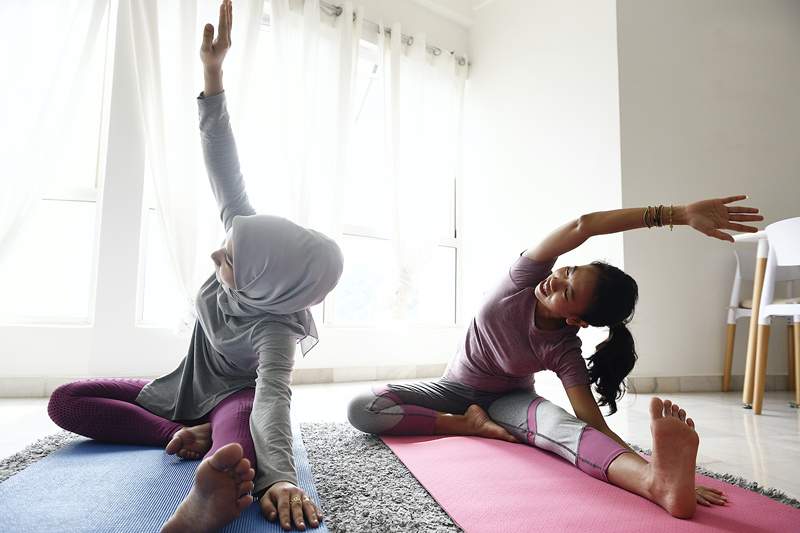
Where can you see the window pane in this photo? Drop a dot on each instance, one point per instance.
(49, 268)
(361, 297)
(366, 292)
(161, 295)
(436, 296)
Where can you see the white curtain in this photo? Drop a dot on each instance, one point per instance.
(310, 113)
(48, 48)
(424, 95)
(167, 36)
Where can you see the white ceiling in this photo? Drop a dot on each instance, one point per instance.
(459, 11)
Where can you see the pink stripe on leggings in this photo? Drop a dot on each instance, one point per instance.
(596, 452)
(415, 420)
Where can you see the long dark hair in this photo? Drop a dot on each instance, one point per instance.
(615, 298)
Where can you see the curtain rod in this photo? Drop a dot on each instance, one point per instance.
(335, 11)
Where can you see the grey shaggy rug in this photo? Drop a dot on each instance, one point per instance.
(363, 486)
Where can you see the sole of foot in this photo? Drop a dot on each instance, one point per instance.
(675, 443)
(191, 442)
(220, 493)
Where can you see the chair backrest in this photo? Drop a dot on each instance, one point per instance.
(745, 253)
(784, 240)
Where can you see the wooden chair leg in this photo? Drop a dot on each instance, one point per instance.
(797, 364)
(790, 351)
(726, 373)
(752, 337)
(760, 383)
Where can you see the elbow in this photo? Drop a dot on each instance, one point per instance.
(582, 226)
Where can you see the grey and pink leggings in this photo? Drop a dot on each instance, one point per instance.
(106, 410)
(411, 409)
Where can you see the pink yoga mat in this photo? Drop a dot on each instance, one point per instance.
(493, 486)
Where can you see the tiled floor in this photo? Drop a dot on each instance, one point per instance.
(762, 448)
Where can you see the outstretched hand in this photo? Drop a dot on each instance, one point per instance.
(706, 496)
(711, 216)
(212, 51)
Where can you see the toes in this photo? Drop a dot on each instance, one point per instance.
(227, 457)
(174, 445)
(675, 411)
(242, 467)
(667, 408)
(244, 502)
(690, 423)
(656, 407)
(246, 488)
(682, 415)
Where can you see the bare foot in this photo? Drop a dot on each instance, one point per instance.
(675, 442)
(191, 442)
(220, 493)
(481, 425)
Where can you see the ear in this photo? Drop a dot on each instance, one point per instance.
(575, 321)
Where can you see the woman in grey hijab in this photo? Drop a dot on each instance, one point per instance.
(251, 314)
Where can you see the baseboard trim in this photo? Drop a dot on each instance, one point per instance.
(649, 385)
(43, 387)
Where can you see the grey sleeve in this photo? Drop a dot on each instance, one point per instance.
(270, 422)
(222, 161)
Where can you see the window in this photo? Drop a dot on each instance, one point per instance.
(49, 267)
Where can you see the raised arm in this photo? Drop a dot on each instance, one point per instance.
(216, 135)
(708, 217)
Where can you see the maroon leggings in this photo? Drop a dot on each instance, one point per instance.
(106, 410)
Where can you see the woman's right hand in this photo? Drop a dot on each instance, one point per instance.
(212, 51)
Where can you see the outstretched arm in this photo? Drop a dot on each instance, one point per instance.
(216, 135)
(708, 217)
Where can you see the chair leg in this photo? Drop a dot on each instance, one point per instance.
(726, 373)
(761, 368)
(790, 352)
(797, 364)
(752, 338)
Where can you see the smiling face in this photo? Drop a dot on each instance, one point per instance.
(223, 260)
(567, 293)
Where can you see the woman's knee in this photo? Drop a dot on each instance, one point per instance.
(364, 410)
(61, 406)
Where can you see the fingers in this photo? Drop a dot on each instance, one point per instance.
(310, 511)
(742, 209)
(741, 227)
(208, 37)
(701, 500)
(296, 502)
(268, 507)
(284, 510)
(730, 199)
(745, 218)
(717, 234)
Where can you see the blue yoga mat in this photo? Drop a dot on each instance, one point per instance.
(90, 486)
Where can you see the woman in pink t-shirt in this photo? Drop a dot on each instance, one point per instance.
(528, 323)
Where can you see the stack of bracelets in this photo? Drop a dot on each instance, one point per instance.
(653, 216)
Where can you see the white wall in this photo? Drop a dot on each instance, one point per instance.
(710, 106)
(541, 133)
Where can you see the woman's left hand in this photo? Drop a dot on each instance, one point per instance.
(711, 216)
(707, 496)
(290, 505)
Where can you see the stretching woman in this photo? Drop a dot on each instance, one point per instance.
(251, 314)
(530, 323)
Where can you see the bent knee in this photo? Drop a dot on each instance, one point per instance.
(365, 411)
(60, 407)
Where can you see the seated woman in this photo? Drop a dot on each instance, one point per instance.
(251, 314)
(528, 323)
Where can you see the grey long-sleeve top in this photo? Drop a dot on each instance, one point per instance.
(228, 354)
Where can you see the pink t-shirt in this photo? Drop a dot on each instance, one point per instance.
(503, 347)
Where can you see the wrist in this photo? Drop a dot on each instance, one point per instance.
(679, 216)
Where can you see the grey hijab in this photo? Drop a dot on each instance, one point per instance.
(279, 268)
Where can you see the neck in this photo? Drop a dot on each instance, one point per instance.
(544, 319)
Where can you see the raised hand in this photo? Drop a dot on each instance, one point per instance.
(289, 505)
(711, 216)
(212, 51)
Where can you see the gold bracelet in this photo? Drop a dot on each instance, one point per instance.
(670, 218)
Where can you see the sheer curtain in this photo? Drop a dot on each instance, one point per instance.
(167, 37)
(48, 49)
(424, 95)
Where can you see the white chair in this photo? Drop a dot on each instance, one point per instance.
(745, 253)
(784, 252)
